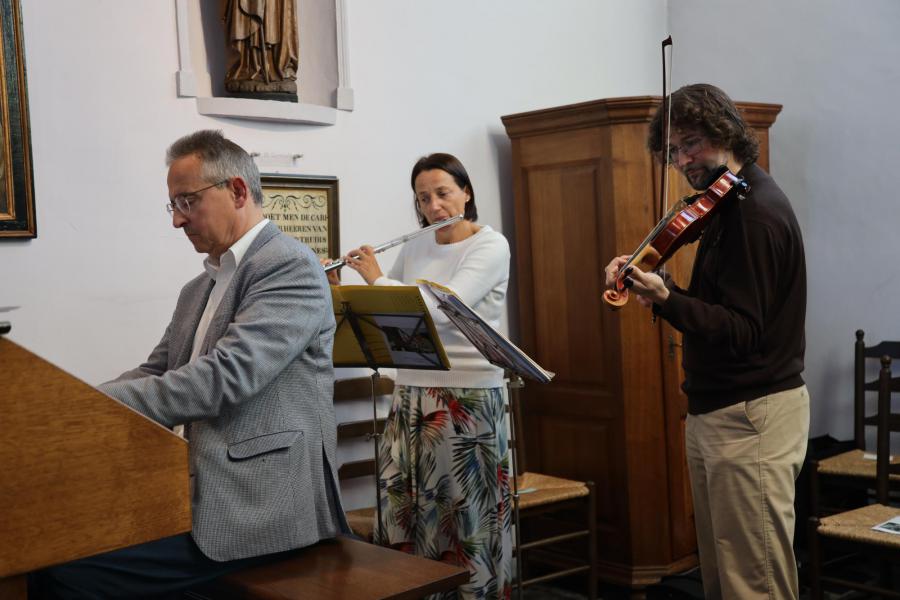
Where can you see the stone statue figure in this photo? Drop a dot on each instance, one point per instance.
(264, 35)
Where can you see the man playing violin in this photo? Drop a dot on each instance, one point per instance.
(742, 317)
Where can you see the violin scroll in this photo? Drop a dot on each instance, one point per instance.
(615, 299)
(645, 258)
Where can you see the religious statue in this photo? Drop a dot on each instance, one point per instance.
(264, 35)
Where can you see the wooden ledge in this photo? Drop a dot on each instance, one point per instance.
(339, 569)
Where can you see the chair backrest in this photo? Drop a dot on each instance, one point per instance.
(861, 386)
(359, 388)
(888, 422)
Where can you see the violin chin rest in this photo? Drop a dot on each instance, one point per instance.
(714, 175)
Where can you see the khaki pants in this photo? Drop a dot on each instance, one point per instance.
(743, 461)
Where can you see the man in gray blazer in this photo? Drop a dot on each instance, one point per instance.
(245, 366)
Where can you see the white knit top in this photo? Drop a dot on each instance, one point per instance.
(477, 269)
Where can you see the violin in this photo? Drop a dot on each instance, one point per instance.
(682, 225)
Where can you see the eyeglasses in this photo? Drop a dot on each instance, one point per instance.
(183, 202)
(690, 147)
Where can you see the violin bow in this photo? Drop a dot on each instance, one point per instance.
(666, 132)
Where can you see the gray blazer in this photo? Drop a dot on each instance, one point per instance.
(258, 401)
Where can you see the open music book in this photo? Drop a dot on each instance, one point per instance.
(490, 342)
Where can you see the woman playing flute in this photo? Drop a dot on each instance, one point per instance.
(444, 457)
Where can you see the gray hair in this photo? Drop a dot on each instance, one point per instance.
(220, 159)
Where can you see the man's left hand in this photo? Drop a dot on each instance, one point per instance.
(649, 287)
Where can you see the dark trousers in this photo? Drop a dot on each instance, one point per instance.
(158, 569)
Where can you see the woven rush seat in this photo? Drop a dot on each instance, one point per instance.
(852, 464)
(362, 522)
(536, 489)
(856, 525)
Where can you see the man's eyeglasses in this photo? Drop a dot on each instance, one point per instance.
(183, 202)
(690, 147)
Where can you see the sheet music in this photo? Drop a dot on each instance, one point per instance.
(407, 340)
(491, 343)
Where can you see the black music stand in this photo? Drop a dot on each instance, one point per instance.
(384, 327)
(498, 351)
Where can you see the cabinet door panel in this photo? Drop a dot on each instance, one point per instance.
(568, 328)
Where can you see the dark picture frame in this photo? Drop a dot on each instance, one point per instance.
(306, 208)
(17, 210)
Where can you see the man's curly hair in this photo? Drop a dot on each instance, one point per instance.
(707, 109)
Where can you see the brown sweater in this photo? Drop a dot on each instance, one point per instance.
(743, 314)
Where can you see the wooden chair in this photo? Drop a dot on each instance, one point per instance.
(538, 498)
(852, 530)
(361, 520)
(852, 470)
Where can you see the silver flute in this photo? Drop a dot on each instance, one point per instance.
(400, 240)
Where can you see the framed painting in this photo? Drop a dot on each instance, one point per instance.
(17, 218)
(306, 208)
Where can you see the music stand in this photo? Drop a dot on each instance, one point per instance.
(498, 351)
(384, 327)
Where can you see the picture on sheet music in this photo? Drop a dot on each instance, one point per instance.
(408, 340)
(891, 526)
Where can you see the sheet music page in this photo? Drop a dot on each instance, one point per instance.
(491, 343)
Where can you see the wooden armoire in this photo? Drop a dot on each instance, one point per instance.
(585, 190)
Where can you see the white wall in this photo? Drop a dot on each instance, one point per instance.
(97, 287)
(833, 65)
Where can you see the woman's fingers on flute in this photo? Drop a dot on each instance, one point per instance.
(354, 254)
(363, 261)
(359, 255)
(334, 274)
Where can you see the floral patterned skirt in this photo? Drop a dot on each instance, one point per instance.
(445, 483)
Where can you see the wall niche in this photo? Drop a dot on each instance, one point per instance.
(323, 78)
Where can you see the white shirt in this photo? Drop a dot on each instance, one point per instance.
(477, 269)
(222, 273)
